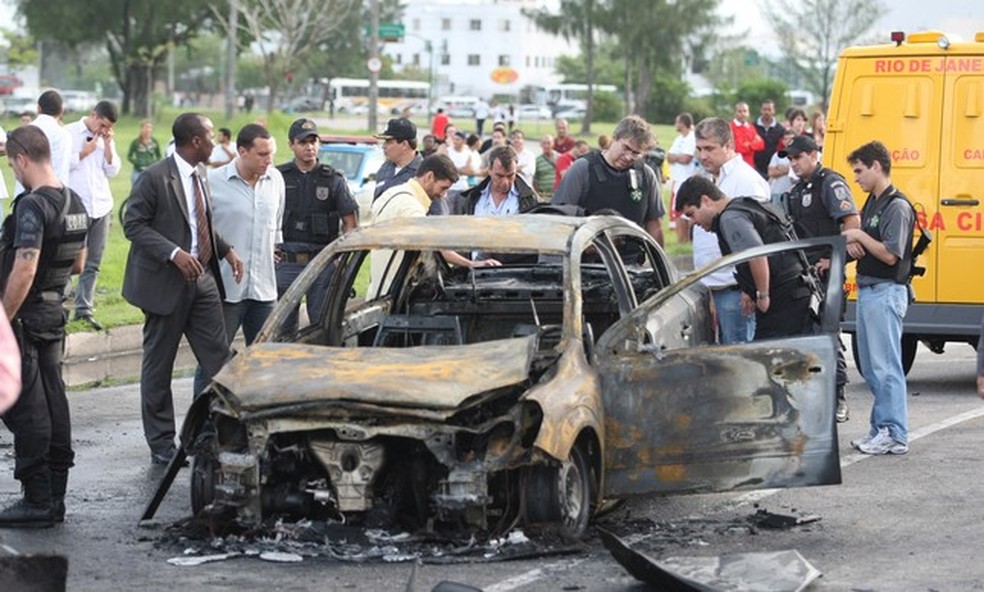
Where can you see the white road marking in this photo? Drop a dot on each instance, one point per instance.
(527, 578)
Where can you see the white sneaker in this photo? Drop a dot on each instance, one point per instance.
(862, 440)
(883, 443)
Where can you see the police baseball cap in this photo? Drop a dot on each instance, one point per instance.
(399, 129)
(302, 128)
(799, 145)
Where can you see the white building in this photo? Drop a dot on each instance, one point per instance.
(479, 47)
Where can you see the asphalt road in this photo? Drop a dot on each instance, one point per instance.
(896, 523)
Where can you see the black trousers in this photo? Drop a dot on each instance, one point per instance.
(197, 316)
(40, 420)
(788, 314)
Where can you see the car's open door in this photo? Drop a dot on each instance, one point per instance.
(717, 418)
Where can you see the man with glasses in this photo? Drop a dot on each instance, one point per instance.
(400, 148)
(618, 179)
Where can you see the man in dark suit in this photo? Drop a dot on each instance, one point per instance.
(172, 273)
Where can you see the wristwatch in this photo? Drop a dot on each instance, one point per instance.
(761, 295)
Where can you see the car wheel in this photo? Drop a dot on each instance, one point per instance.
(909, 345)
(561, 493)
(204, 473)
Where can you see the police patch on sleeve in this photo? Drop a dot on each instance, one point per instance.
(30, 228)
(843, 195)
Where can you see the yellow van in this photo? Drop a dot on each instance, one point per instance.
(923, 97)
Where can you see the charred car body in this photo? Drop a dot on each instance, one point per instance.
(583, 369)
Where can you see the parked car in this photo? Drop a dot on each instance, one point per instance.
(358, 158)
(581, 370)
(13, 106)
(303, 105)
(571, 113)
(533, 112)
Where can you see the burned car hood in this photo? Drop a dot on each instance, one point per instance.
(439, 378)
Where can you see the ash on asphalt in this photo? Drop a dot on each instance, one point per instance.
(193, 537)
(321, 539)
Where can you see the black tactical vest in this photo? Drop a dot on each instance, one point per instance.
(774, 227)
(608, 188)
(310, 209)
(64, 237)
(807, 209)
(870, 222)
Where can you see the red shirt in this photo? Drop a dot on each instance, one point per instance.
(563, 162)
(747, 141)
(562, 145)
(441, 122)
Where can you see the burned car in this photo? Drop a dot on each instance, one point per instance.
(583, 369)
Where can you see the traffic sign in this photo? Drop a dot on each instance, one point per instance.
(374, 65)
(389, 31)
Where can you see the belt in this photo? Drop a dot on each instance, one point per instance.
(724, 288)
(304, 257)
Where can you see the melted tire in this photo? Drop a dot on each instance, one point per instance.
(561, 493)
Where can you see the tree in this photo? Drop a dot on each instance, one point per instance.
(575, 19)
(812, 34)
(608, 66)
(653, 35)
(137, 34)
(286, 32)
(21, 49)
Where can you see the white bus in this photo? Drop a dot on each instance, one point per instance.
(351, 95)
(563, 96)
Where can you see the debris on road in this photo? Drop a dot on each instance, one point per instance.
(778, 571)
(286, 541)
(193, 560)
(767, 519)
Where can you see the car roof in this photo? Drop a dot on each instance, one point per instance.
(544, 233)
(350, 140)
(360, 148)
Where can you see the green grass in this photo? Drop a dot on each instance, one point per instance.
(113, 311)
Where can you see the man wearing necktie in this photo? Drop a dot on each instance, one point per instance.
(172, 274)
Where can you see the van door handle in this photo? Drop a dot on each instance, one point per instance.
(960, 202)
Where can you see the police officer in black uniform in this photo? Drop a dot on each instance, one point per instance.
(317, 200)
(43, 243)
(820, 204)
(775, 288)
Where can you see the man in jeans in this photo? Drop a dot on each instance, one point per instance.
(736, 179)
(94, 160)
(883, 250)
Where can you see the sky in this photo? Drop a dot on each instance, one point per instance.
(958, 17)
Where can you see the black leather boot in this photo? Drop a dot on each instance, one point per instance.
(34, 509)
(59, 482)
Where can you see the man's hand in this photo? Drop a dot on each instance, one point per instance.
(237, 265)
(485, 263)
(822, 266)
(854, 246)
(189, 266)
(747, 305)
(89, 146)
